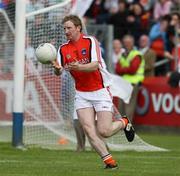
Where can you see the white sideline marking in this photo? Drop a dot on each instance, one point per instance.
(152, 157)
(32, 123)
(9, 161)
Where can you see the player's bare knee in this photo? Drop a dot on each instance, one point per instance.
(104, 132)
(89, 130)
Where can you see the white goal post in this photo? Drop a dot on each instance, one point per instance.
(18, 104)
(43, 100)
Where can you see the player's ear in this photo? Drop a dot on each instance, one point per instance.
(79, 28)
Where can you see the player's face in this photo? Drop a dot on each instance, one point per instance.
(128, 43)
(72, 32)
(116, 46)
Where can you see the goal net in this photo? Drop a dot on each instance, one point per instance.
(49, 100)
(6, 70)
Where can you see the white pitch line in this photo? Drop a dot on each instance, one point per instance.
(9, 161)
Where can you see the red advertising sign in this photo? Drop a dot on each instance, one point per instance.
(158, 103)
(6, 95)
(41, 94)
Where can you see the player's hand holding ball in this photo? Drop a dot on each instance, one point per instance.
(46, 54)
(57, 68)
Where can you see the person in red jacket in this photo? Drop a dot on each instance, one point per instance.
(81, 56)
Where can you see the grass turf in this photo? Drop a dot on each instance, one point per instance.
(41, 162)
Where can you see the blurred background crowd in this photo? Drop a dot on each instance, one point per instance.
(153, 24)
(153, 27)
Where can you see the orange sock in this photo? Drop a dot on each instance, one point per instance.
(109, 160)
(125, 121)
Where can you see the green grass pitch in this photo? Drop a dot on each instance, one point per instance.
(42, 162)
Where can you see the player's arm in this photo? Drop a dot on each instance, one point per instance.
(57, 68)
(92, 66)
(57, 64)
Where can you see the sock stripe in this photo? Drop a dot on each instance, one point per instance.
(109, 160)
(124, 121)
(105, 156)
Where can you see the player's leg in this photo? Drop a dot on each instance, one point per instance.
(100, 136)
(80, 135)
(106, 127)
(86, 116)
(128, 130)
(87, 119)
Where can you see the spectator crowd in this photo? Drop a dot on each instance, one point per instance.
(154, 25)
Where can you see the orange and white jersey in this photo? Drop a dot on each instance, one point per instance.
(85, 50)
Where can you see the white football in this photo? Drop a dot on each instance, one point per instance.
(46, 53)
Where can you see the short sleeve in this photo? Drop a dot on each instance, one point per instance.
(95, 50)
(60, 57)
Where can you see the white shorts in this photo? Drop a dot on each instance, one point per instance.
(100, 100)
